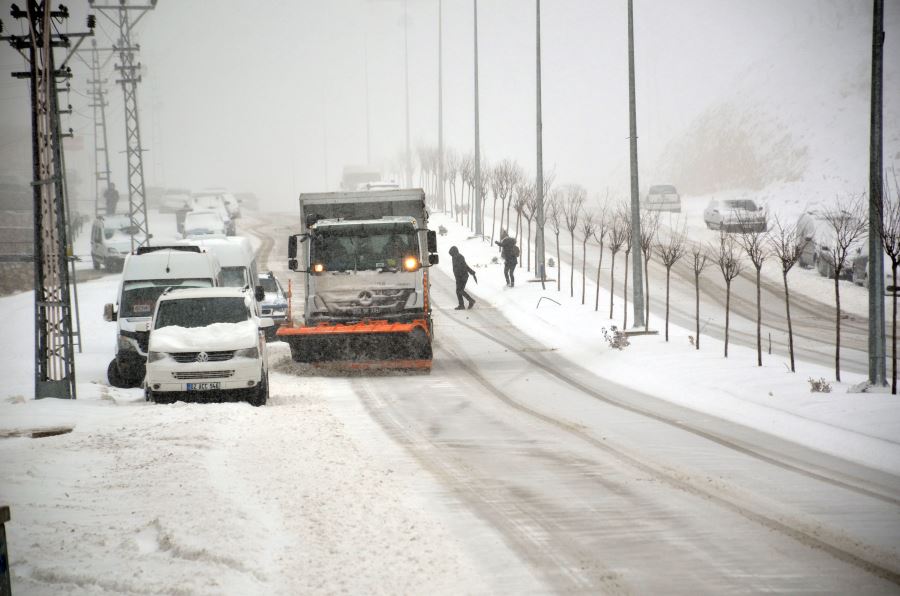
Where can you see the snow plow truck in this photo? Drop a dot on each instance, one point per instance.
(365, 256)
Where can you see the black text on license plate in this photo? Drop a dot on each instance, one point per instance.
(202, 386)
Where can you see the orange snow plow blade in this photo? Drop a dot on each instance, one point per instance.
(368, 345)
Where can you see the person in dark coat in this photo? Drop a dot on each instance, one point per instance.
(461, 272)
(112, 197)
(509, 252)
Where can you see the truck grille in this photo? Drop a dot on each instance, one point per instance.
(204, 374)
(371, 302)
(186, 357)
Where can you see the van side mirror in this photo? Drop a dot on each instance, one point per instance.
(433, 259)
(260, 294)
(292, 264)
(432, 241)
(109, 313)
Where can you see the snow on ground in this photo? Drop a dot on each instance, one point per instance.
(861, 427)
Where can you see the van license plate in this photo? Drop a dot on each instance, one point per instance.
(202, 386)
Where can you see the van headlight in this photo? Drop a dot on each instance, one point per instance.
(247, 353)
(156, 356)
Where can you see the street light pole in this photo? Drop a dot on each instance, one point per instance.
(638, 287)
(877, 364)
(477, 204)
(539, 176)
(440, 180)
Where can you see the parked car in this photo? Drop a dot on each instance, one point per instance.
(274, 305)
(204, 224)
(735, 215)
(819, 234)
(207, 345)
(810, 225)
(662, 197)
(216, 203)
(111, 241)
(861, 273)
(174, 200)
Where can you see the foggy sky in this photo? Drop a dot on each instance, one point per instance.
(270, 97)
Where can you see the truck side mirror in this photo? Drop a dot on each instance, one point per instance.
(109, 313)
(260, 294)
(292, 247)
(432, 241)
(433, 259)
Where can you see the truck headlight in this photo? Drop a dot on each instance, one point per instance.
(247, 353)
(156, 356)
(318, 268)
(410, 263)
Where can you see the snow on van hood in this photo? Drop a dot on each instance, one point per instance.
(218, 336)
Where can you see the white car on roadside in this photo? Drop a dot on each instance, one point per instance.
(736, 215)
(208, 345)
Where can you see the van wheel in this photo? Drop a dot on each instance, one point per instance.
(262, 392)
(114, 377)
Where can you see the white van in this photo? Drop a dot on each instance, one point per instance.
(235, 255)
(111, 241)
(145, 276)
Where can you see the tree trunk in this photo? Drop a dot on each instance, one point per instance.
(583, 268)
(697, 316)
(599, 266)
(612, 284)
(647, 294)
(668, 271)
(787, 307)
(528, 268)
(894, 331)
(493, 218)
(558, 266)
(758, 319)
(727, 312)
(502, 206)
(837, 326)
(572, 268)
(625, 292)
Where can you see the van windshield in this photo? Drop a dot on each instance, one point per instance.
(268, 284)
(234, 277)
(364, 247)
(200, 312)
(139, 297)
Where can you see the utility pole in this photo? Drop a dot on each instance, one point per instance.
(440, 172)
(129, 71)
(409, 181)
(636, 265)
(101, 145)
(479, 225)
(877, 365)
(539, 175)
(54, 358)
(368, 126)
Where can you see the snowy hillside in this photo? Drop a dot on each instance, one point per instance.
(790, 129)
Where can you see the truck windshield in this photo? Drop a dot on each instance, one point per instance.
(200, 312)
(139, 297)
(364, 247)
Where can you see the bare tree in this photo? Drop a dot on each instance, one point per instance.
(728, 259)
(699, 260)
(755, 242)
(574, 197)
(618, 230)
(847, 227)
(889, 232)
(626, 213)
(466, 174)
(554, 213)
(787, 243)
(529, 205)
(495, 181)
(588, 225)
(649, 227)
(600, 231)
(521, 196)
(670, 252)
(451, 170)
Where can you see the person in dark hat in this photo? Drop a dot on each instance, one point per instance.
(461, 272)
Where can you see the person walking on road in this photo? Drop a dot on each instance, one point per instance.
(112, 197)
(461, 272)
(510, 254)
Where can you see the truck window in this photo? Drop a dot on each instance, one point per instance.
(364, 247)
